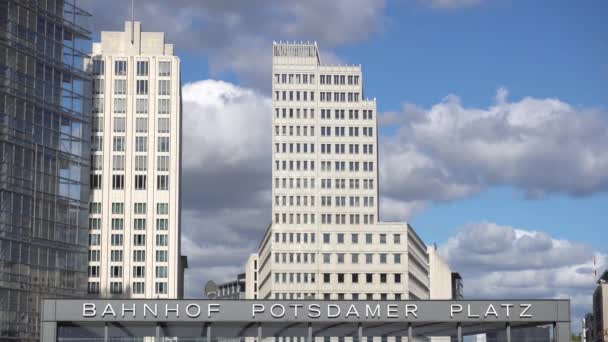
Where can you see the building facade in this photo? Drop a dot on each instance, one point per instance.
(325, 240)
(600, 310)
(134, 236)
(44, 159)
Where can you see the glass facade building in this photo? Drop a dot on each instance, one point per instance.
(44, 159)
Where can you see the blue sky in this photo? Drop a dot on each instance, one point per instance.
(493, 116)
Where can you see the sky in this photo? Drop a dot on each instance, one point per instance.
(493, 128)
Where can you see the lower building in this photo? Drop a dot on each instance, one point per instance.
(600, 309)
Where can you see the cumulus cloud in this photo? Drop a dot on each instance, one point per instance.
(498, 261)
(226, 178)
(236, 35)
(450, 151)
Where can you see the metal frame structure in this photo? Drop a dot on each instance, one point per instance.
(216, 319)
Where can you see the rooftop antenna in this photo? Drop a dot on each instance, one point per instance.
(132, 21)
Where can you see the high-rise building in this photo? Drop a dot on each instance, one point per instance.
(135, 167)
(325, 240)
(600, 310)
(44, 159)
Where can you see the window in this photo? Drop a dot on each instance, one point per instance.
(141, 125)
(141, 144)
(117, 224)
(93, 271)
(120, 87)
(96, 162)
(118, 208)
(161, 256)
(142, 68)
(141, 87)
(382, 238)
(139, 224)
(98, 85)
(369, 278)
(94, 223)
(98, 67)
(141, 163)
(118, 163)
(162, 182)
(163, 144)
(397, 238)
(162, 163)
(116, 239)
(368, 238)
(93, 287)
(164, 87)
(340, 277)
(340, 238)
(369, 258)
(354, 258)
(94, 239)
(383, 278)
(118, 144)
(115, 287)
(397, 258)
(116, 255)
(120, 105)
(355, 238)
(326, 277)
(96, 143)
(161, 287)
(139, 256)
(94, 208)
(383, 258)
(139, 240)
(98, 108)
(140, 208)
(161, 272)
(162, 224)
(140, 182)
(326, 258)
(340, 258)
(397, 278)
(161, 240)
(164, 106)
(141, 106)
(95, 182)
(162, 208)
(355, 278)
(97, 122)
(118, 182)
(164, 125)
(119, 125)
(120, 68)
(164, 68)
(326, 238)
(138, 287)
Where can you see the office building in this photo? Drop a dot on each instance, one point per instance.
(44, 159)
(599, 326)
(325, 240)
(135, 181)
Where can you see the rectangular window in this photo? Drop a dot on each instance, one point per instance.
(120, 105)
(120, 87)
(139, 224)
(116, 255)
(120, 68)
(139, 256)
(142, 68)
(161, 256)
(141, 144)
(164, 106)
(98, 85)
(164, 125)
(98, 67)
(115, 287)
(94, 208)
(141, 106)
(120, 125)
(141, 87)
(118, 182)
(162, 163)
(141, 163)
(118, 144)
(161, 287)
(163, 144)
(141, 125)
(97, 108)
(95, 181)
(162, 208)
(140, 208)
(138, 287)
(97, 143)
(118, 163)
(164, 87)
(139, 240)
(140, 182)
(116, 239)
(162, 182)
(162, 224)
(164, 68)
(162, 240)
(161, 272)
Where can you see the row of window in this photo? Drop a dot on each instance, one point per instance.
(294, 95)
(297, 258)
(339, 296)
(138, 272)
(326, 183)
(138, 208)
(119, 143)
(326, 131)
(120, 68)
(295, 201)
(138, 223)
(116, 255)
(299, 218)
(369, 278)
(141, 125)
(141, 106)
(294, 78)
(118, 162)
(297, 165)
(118, 182)
(326, 201)
(339, 79)
(136, 287)
(352, 148)
(117, 240)
(339, 114)
(326, 96)
(141, 87)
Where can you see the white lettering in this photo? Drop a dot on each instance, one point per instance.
(352, 310)
(507, 306)
(368, 311)
(391, 311)
(125, 309)
(176, 310)
(411, 309)
(197, 312)
(491, 311)
(455, 308)
(314, 308)
(212, 308)
(469, 314)
(152, 312)
(295, 309)
(108, 310)
(89, 310)
(335, 314)
(255, 308)
(525, 314)
(281, 310)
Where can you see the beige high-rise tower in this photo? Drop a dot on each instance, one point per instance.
(325, 240)
(134, 234)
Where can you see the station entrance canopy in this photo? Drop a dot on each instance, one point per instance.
(217, 320)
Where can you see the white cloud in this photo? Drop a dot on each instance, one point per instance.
(450, 4)
(499, 261)
(450, 151)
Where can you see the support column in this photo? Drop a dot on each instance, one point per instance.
(508, 332)
(410, 332)
(459, 333)
(360, 331)
(259, 332)
(309, 335)
(157, 333)
(48, 332)
(208, 332)
(562, 332)
(106, 333)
